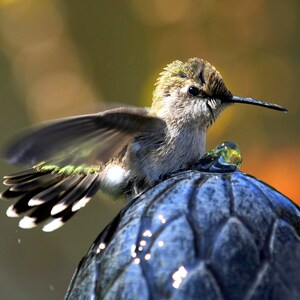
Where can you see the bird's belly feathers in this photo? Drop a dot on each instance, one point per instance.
(149, 164)
(147, 160)
(114, 179)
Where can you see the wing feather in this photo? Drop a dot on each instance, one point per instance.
(69, 154)
(83, 138)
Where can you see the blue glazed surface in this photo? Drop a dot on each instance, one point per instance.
(197, 236)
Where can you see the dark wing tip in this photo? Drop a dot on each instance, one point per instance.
(39, 195)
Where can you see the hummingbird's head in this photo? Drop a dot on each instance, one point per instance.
(194, 91)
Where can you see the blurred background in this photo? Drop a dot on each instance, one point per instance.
(60, 58)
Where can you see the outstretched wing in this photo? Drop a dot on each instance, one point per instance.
(88, 139)
(69, 155)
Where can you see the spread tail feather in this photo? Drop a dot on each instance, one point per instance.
(48, 194)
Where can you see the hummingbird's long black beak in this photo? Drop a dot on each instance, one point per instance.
(252, 101)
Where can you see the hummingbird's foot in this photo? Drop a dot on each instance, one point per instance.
(226, 157)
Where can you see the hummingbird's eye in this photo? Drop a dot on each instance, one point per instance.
(193, 91)
(182, 75)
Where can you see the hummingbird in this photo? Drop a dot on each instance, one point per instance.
(121, 151)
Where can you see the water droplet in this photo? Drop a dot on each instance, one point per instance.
(178, 276)
(229, 154)
(160, 243)
(147, 233)
(143, 243)
(102, 246)
(132, 250)
(137, 261)
(162, 219)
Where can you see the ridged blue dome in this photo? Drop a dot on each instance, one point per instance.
(197, 236)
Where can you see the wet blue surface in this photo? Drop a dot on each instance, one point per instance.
(197, 236)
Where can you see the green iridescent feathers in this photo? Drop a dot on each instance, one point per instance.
(177, 73)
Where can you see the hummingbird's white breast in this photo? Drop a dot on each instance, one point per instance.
(149, 160)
